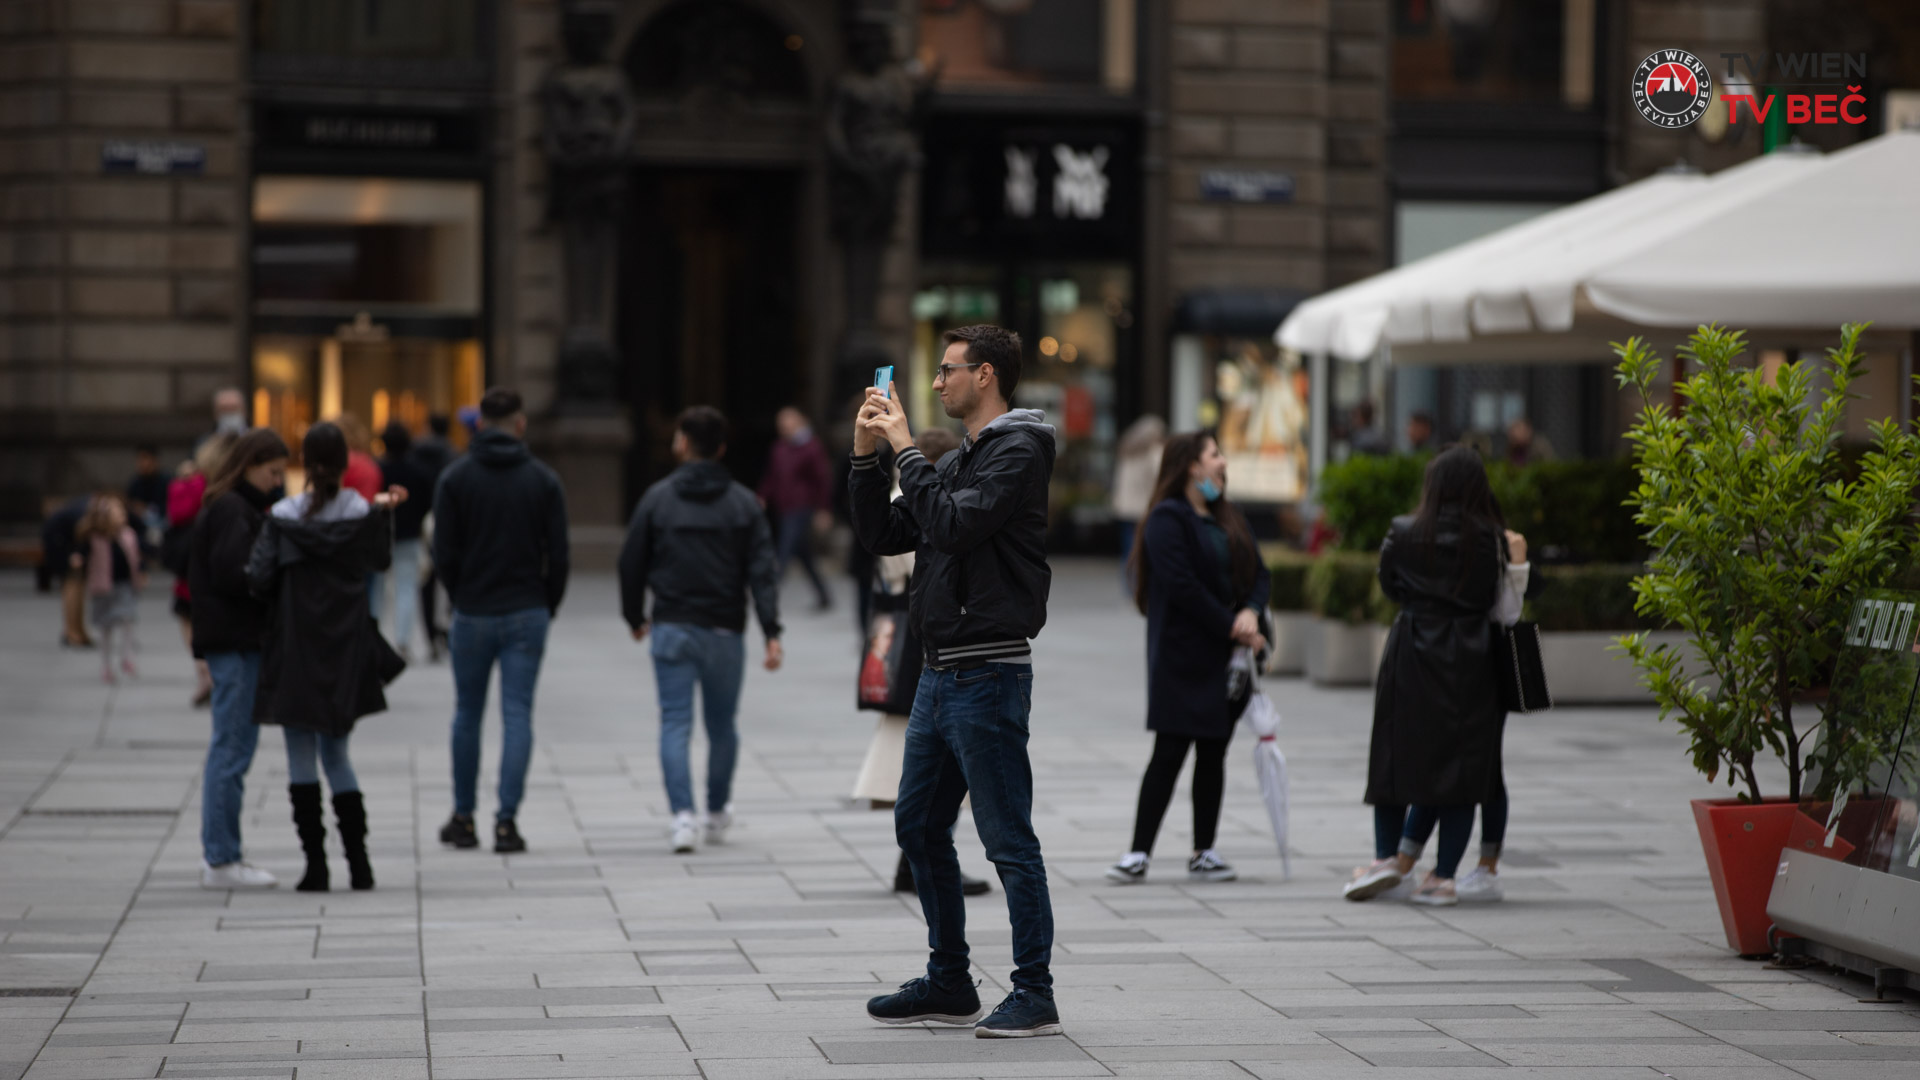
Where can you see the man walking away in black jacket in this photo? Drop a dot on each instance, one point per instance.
(699, 541)
(500, 548)
(977, 524)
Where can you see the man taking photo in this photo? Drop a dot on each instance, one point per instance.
(699, 542)
(977, 525)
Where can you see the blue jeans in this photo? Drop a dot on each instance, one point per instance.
(223, 784)
(796, 542)
(1398, 830)
(309, 751)
(684, 654)
(517, 640)
(968, 733)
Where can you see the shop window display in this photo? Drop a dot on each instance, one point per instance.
(366, 300)
(1257, 397)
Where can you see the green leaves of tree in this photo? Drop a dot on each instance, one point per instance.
(1761, 533)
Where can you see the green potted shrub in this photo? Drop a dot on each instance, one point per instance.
(1340, 591)
(1761, 534)
(1287, 607)
(1363, 494)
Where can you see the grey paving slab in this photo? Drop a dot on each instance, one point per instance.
(599, 953)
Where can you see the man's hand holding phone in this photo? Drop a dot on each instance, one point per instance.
(884, 418)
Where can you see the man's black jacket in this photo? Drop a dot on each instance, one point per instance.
(500, 529)
(699, 541)
(977, 525)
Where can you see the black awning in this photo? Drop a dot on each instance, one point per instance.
(1243, 312)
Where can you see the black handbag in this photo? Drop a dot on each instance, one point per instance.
(1518, 668)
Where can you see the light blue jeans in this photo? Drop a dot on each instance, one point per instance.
(683, 655)
(404, 576)
(223, 784)
(308, 752)
(518, 641)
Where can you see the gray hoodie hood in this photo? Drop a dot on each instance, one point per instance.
(1032, 421)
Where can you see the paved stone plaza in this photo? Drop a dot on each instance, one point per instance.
(599, 954)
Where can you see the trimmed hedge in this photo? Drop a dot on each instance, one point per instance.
(1569, 511)
(1345, 586)
(1288, 574)
(1596, 596)
(1364, 493)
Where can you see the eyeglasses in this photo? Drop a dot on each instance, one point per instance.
(945, 370)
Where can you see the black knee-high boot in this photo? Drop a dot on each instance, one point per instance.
(312, 827)
(350, 813)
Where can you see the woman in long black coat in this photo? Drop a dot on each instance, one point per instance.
(325, 663)
(1437, 715)
(1198, 579)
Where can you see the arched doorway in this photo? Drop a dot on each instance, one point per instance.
(712, 300)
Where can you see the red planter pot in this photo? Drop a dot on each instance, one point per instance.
(1742, 842)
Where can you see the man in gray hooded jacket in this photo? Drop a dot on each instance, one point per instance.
(977, 525)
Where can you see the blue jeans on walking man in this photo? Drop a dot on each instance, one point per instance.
(223, 785)
(685, 655)
(517, 641)
(968, 735)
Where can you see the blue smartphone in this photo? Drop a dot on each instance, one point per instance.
(882, 377)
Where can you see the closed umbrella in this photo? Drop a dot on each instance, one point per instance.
(1270, 766)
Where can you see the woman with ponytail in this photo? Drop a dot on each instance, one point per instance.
(1197, 578)
(325, 661)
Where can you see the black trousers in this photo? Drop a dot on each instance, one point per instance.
(1163, 772)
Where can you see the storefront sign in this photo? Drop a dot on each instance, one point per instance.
(1012, 186)
(1246, 186)
(152, 158)
(298, 128)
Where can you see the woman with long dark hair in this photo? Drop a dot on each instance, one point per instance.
(325, 661)
(1198, 579)
(229, 631)
(1437, 715)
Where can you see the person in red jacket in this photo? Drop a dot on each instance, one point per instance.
(797, 489)
(363, 472)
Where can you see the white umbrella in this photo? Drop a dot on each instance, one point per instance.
(1270, 765)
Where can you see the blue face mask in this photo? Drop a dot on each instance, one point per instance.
(1209, 490)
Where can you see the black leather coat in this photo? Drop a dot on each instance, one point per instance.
(1437, 716)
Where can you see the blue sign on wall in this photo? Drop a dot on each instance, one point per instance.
(1246, 186)
(152, 158)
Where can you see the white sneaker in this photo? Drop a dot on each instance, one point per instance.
(238, 874)
(1370, 881)
(718, 822)
(1481, 886)
(1130, 870)
(685, 832)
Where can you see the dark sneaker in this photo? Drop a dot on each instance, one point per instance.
(506, 838)
(973, 886)
(458, 832)
(1209, 866)
(920, 1001)
(1022, 1015)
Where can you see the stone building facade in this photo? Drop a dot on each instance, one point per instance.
(380, 208)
